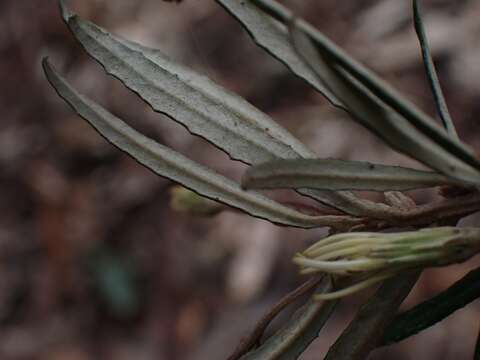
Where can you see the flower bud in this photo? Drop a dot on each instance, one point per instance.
(373, 257)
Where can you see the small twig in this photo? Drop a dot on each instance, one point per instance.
(443, 210)
(432, 76)
(425, 215)
(254, 338)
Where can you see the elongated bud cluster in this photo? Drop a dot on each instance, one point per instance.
(372, 257)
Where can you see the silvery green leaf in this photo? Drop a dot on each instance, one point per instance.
(299, 332)
(170, 164)
(361, 335)
(416, 117)
(272, 36)
(378, 118)
(204, 108)
(332, 174)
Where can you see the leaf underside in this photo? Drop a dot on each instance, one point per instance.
(392, 98)
(273, 37)
(369, 111)
(332, 174)
(168, 163)
(204, 108)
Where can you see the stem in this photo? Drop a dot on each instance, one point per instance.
(432, 76)
(448, 210)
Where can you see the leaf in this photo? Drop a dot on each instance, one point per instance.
(273, 37)
(436, 309)
(204, 108)
(374, 115)
(432, 76)
(331, 174)
(291, 340)
(416, 117)
(170, 164)
(362, 334)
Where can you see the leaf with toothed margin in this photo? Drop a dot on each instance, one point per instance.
(168, 163)
(204, 108)
(332, 174)
(369, 111)
(273, 37)
(387, 94)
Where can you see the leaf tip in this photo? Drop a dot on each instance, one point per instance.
(49, 70)
(45, 61)
(47, 66)
(66, 14)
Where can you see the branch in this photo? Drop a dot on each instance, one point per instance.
(428, 214)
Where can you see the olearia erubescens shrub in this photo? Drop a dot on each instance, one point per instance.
(362, 249)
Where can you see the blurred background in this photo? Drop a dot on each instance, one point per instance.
(94, 262)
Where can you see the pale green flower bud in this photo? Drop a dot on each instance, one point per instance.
(373, 257)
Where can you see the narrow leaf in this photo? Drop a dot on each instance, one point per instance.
(362, 334)
(192, 100)
(331, 174)
(292, 340)
(273, 37)
(373, 114)
(416, 117)
(435, 309)
(432, 76)
(204, 108)
(170, 164)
